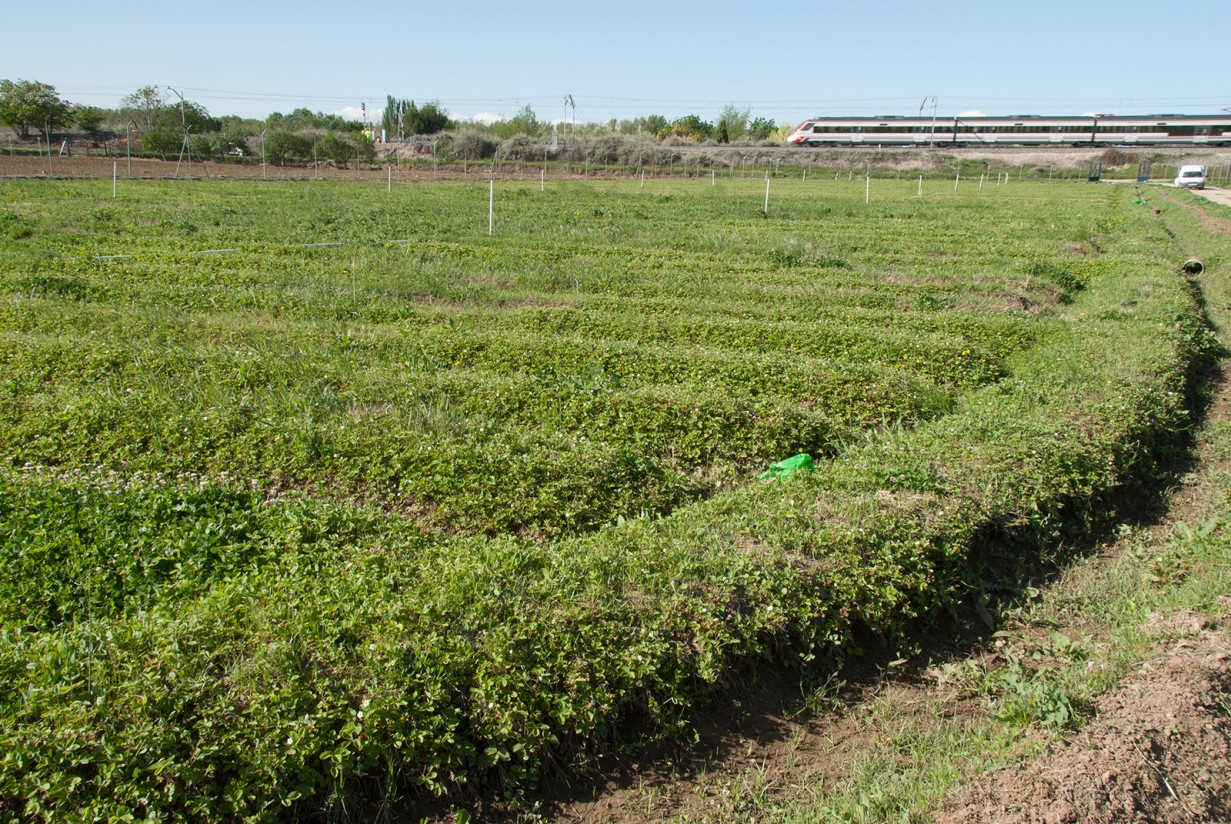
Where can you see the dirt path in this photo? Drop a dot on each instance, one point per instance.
(1158, 749)
(1159, 746)
(1212, 222)
(1220, 196)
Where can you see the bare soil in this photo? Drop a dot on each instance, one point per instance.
(1158, 750)
(902, 159)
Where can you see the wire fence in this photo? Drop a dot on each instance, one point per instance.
(905, 164)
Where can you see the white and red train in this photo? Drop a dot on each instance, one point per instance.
(1019, 130)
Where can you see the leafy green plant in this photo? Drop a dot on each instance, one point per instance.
(421, 502)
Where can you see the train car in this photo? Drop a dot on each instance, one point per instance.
(1017, 130)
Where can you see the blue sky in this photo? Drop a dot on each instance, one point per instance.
(784, 61)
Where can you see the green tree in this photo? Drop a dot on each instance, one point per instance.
(282, 147)
(217, 145)
(365, 149)
(162, 141)
(29, 104)
(430, 118)
(398, 116)
(332, 147)
(692, 127)
(143, 107)
(147, 108)
(194, 115)
(90, 119)
(524, 122)
(732, 124)
(762, 129)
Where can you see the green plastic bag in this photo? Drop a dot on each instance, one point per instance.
(796, 463)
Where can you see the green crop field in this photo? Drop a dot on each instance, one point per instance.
(314, 496)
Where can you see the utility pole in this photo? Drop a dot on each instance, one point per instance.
(184, 146)
(568, 101)
(932, 139)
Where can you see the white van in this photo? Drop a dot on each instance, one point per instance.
(1191, 177)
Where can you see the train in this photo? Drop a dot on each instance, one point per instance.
(1020, 130)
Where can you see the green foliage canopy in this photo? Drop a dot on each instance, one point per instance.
(90, 119)
(162, 140)
(282, 147)
(732, 124)
(403, 117)
(691, 126)
(524, 122)
(29, 104)
(301, 119)
(761, 128)
(331, 147)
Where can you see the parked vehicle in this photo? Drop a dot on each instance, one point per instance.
(1191, 177)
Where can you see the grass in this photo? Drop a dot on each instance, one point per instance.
(303, 527)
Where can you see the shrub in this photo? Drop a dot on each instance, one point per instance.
(333, 148)
(471, 144)
(365, 148)
(283, 147)
(606, 149)
(521, 147)
(161, 141)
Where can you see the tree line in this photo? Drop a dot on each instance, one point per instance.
(164, 123)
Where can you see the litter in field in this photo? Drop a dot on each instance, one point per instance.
(785, 468)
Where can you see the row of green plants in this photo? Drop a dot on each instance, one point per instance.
(182, 642)
(400, 389)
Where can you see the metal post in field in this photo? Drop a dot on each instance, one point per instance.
(957, 179)
(389, 171)
(920, 193)
(491, 206)
(115, 170)
(767, 191)
(981, 182)
(50, 164)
